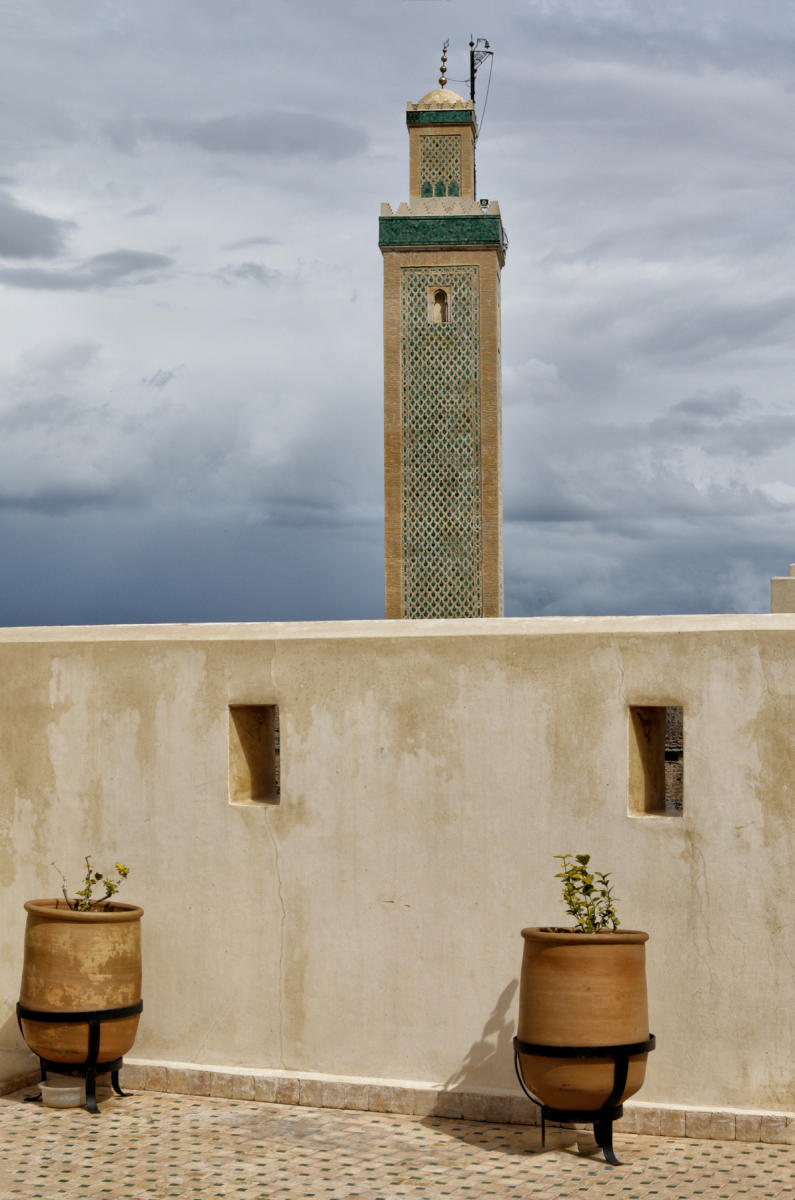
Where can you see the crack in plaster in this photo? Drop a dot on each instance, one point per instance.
(760, 660)
(623, 694)
(198, 1053)
(620, 665)
(701, 892)
(278, 868)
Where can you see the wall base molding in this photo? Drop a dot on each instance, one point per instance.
(423, 1100)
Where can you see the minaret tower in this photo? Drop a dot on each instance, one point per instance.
(443, 252)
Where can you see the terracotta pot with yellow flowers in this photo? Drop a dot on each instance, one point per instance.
(80, 999)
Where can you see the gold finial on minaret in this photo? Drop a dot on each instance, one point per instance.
(443, 75)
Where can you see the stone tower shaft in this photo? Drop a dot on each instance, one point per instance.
(443, 253)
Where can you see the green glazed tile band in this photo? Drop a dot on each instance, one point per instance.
(441, 231)
(452, 116)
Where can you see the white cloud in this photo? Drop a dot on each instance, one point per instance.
(274, 133)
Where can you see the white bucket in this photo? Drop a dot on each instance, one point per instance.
(63, 1091)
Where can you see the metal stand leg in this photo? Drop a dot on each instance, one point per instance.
(603, 1132)
(114, 1078)
(91, 1091)
(91, 1066)
(603, 1126)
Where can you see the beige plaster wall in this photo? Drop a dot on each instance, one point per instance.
(369, 924)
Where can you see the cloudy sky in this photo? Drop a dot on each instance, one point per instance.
(190, 300)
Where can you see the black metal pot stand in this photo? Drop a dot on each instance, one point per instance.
(610, 1111)
(91, 1067)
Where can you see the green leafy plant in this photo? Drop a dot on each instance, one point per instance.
(84, 897)
(588, 896)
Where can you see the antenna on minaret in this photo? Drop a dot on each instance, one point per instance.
(479, 51)
(476, 58)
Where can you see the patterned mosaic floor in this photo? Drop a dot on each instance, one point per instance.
(154, 1146)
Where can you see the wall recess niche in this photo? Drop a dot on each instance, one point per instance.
(254, 754)
(656, 760)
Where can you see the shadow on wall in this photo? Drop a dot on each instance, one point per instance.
(10, 1037)
(491, 1056)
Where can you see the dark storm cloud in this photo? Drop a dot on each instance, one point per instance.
(306, 514)
(707, 330)
(279, 134)
(28, 234)
(550, 496)
(682, 236)
(724, 425)
(78, 431)
(160, 378)
(250, 272)
(102, 271)
(716, 405)
(687, 566)
(65, 500)
(141, 568)
(245, 243)
(57, 447)
(633, 482)
(695, 35)
(42, 412)
(623, 500)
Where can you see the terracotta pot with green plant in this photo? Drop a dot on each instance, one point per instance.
(80, 998)
(583, 990)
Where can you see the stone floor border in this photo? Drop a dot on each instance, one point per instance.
(415, 1099)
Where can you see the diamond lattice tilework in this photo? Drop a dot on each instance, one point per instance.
(441, 490)
(440, 164)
